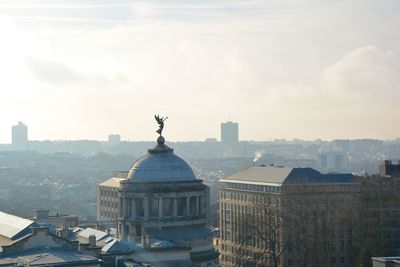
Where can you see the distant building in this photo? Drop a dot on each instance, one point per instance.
(42, 216)
(20, 136)
(114, 139)
(323, 161)
(107, 197)
(230, 137)
(389, 169)
(332, 160)
(262, 209)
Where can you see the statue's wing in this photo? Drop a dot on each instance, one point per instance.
(157, 117)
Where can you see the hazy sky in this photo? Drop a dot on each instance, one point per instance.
(82, 69)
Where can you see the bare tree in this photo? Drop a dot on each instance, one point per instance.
(264, 233)
(378, 219)
(325, 225)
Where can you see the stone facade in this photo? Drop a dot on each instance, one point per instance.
(264, 209)
(170, 204)
(107, 197)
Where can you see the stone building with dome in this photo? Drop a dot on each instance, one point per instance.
(161, 202)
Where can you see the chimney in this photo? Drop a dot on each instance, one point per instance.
(92, 241)
(65, 232)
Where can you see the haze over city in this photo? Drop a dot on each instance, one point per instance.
(186, 133)
(298, 69)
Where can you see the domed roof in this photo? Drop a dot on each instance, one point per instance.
(160, 165)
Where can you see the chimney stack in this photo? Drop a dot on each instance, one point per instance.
(92, 241)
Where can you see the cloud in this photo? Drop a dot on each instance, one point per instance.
(54, 72)
(60, 6)
(281, 69)
(59, 74)
(364, 71)
(353, 97)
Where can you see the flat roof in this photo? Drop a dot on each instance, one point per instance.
(260, 175)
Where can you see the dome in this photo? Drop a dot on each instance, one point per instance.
(160, 165)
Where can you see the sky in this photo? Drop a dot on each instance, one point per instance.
(81, 69)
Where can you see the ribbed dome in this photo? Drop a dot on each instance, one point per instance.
(160, 165)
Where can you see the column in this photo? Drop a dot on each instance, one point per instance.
(125, 207)
(196, 212)
(200, 205)
(129, 210)
(146, 208)
(175, 208)
(160, 208)
(188, 206)
(121, 207)
(133, 208)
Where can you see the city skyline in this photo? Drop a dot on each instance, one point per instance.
(116, 138)
(307, 70)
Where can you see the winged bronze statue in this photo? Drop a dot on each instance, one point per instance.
(160, 121)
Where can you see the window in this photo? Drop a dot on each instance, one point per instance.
(168, 204)
(153, 207)
(192, 205)
(139, 207)
(181, 206)
(129, 207)
(199, 208)
(121, 206)
(227, 215)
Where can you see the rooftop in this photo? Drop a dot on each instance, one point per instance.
(181, 233)
(118, 246)
(12, 226)
(160, 165)
(47, 257)
(260, 174)
(278, 175)
(90, 231)
(112, 182)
